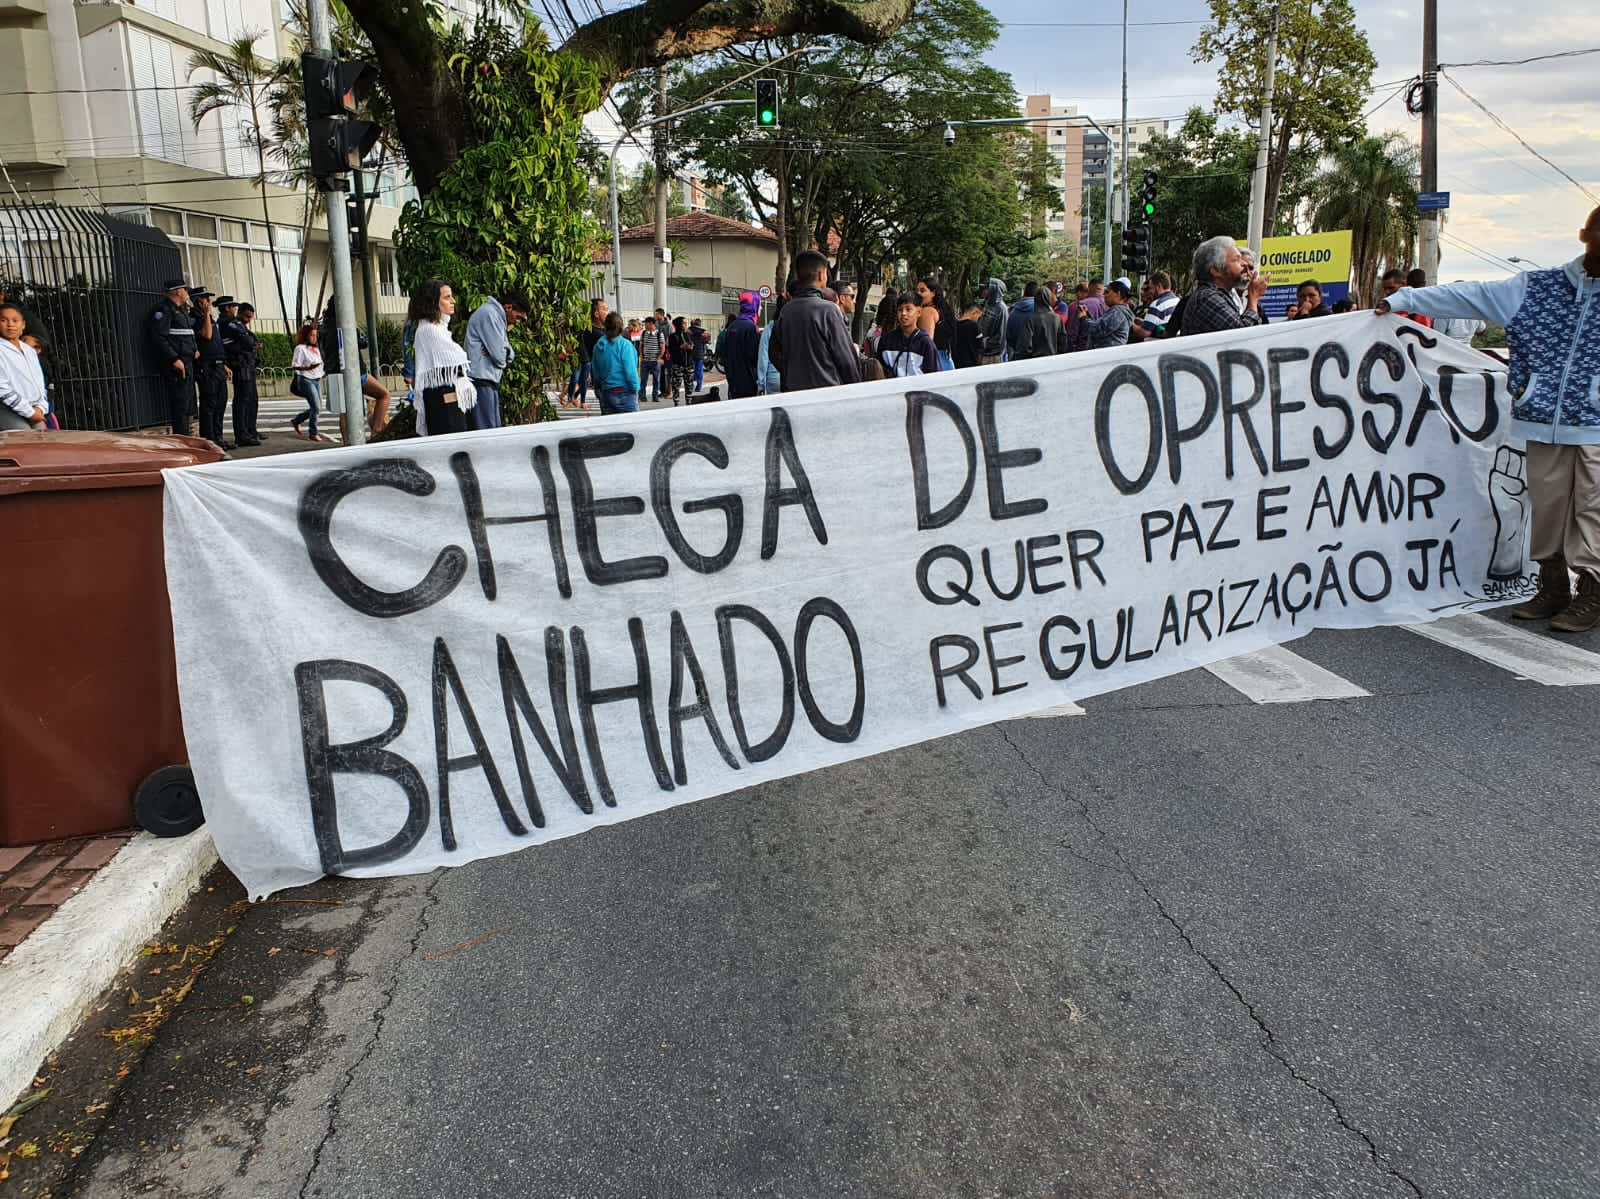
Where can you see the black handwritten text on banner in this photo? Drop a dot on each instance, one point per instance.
(450, 648)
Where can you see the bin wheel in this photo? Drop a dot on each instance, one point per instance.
(167, 803)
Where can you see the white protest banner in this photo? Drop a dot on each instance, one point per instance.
(443, 649)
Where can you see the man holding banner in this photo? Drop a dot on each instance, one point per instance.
(1552, 322)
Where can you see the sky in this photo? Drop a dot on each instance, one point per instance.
(1504, 201)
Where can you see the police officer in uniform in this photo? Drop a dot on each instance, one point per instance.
(172, 342)
(240, 345)
(214, 372)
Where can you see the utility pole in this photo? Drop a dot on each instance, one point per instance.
(659, 143)
(1428, 222)
(369, 282)
(1258, 181)
(1124, 123)
(344, 296)
(616, 220)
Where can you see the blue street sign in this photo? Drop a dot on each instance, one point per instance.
(1432, 201)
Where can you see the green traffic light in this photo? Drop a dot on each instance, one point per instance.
(767, 116)
(1149, 209)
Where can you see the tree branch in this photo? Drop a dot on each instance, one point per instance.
(658, 31)
(433, 130)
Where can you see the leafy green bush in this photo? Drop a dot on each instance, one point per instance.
(276, 351)
(508, 215)
(390, 348)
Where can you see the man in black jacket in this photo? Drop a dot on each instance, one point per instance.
(241, 347)
(810, 344)
(213, 372)
(174, 348)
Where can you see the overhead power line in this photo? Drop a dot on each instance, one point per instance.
(1520, 62)
(1480, 106)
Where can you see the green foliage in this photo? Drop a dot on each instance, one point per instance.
(1204, 187)
(390, 346)
(1370, 188)
(1492, 338)
(1321, 85)
(861, 148)
(730, 202)
(276, 351)
(636, 197)
(509, 213)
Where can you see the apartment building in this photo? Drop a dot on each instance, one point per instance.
(95, 111)
(1083, 155)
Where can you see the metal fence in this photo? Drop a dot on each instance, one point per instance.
(88, 281)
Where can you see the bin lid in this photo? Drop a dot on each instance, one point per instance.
(75, 460)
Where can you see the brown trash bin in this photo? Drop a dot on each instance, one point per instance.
(88, 685)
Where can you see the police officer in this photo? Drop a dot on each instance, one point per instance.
(240, 345)
(172, 342)
(214, 373)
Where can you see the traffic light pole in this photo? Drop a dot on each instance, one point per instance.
(344, 302)
(950, 137)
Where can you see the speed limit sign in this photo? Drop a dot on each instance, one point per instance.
(764, 292)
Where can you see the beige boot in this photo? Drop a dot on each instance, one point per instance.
(1583, 613)
(1555, 592)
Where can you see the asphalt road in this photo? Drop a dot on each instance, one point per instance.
(1182, 945)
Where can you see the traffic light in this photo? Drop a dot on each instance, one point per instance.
(336, 139)
(767, 103)
(1136, 249)
(1150, 180)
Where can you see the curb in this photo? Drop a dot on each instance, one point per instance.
(48, 982)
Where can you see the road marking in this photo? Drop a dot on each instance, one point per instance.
(1066, 709)
(1526, 654)
(1276, 676)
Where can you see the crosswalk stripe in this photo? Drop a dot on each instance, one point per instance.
(1526, 654)
(1066, 709)
(1276, 676)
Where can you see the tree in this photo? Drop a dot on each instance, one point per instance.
(859, 154)
(728, 202)
(1370, 188)
(1204, 188)
(431, 108)
(244, 83)
(636, 198)
(1324, 71)
(508, 214)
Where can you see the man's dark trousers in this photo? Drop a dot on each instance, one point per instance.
(485, 412)
(213, 397)
(179, 390)
(246, 405)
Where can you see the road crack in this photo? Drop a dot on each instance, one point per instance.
(379, 1015)
(1269, 1041)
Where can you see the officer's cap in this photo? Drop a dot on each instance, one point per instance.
(199, 293)
(226, 302)
(172, 285)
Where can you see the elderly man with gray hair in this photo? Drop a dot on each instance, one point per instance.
(1220, 268)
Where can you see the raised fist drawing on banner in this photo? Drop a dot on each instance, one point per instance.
(1508, 494)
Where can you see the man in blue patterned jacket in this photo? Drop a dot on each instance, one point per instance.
(1552, 322)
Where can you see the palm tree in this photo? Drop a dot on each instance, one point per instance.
(240, 80)
(1370, 188)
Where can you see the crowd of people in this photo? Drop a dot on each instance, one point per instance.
(807, 344)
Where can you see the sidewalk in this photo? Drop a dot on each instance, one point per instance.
(74, 913)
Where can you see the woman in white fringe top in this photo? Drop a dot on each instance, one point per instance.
(445, 394)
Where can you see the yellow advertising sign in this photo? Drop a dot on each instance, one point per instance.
(1324, 257)
(1290, 261)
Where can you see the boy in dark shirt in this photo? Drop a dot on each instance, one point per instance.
(907, 350)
